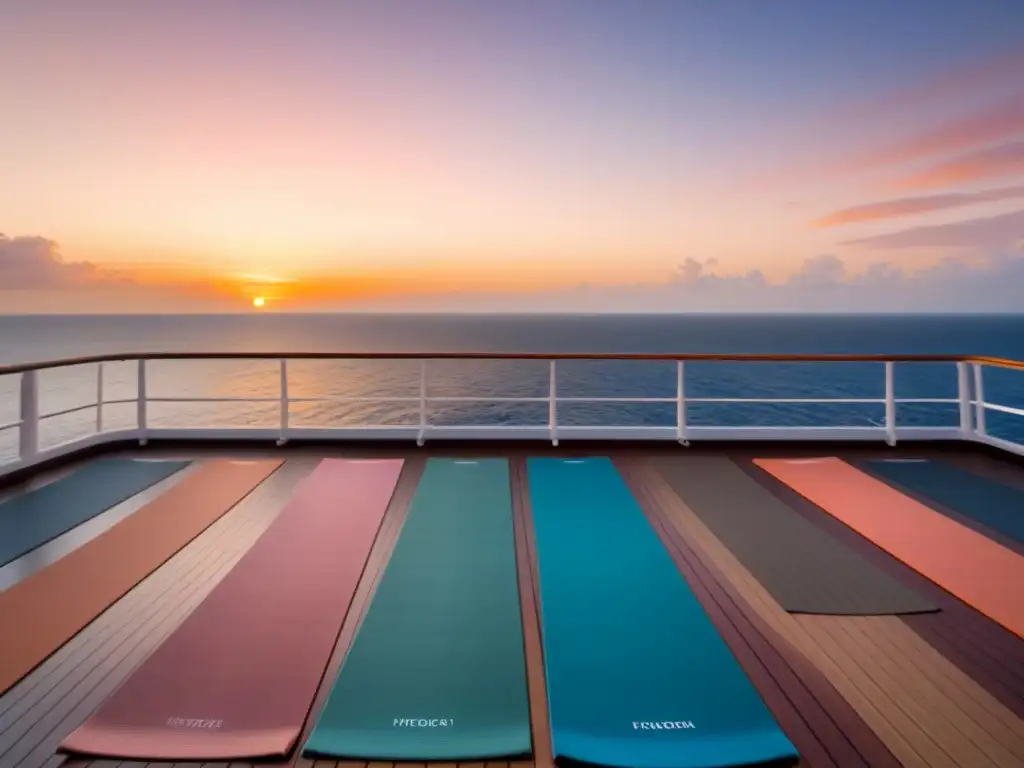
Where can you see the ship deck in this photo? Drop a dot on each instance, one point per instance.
(943, 688)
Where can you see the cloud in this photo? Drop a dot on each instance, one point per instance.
(36, 263)
(908, 206)
(1005, 68)
(995, 123)
(992, 162)
(990, 233)
(823, 283)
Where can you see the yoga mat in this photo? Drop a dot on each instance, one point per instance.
(637, 674)
(437, 670)
(800, 564)
(963, 562)
(44, 611)
(236, 680)
(34, 518)
(991, 503)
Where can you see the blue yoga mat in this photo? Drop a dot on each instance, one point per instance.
(637, 674)
(998, 506)
(34, 518)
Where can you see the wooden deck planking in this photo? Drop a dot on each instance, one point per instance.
(51, 551)
(772, 614)
(376, 564)
(933, 681)
(54, 699)
(983, 649)
(823, 727)
(923, 707)
(529, 599)
(386, 541)
(929, 718)
(945, 658)
(379, 556)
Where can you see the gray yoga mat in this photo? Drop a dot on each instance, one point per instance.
(34, 518)
(803, 567)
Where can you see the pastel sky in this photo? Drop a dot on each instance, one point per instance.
(450, 155)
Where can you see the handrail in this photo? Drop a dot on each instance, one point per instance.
(970, 397)
(996, 362)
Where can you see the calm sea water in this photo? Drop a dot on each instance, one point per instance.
(24, 339)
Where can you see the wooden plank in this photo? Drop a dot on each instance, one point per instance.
(526, 563)
(787, 683)
(142, 610)
(53, 550)
(927, 712)
(63, 691)
(53, 605)
(973, 624)
(756, 600)
(374, 569)
(928, 676)
(995, 655)
(772, 665)
(979, 663)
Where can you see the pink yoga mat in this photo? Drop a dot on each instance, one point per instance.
(976, 569)
(237, 679)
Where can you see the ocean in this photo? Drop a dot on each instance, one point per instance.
(36, 338)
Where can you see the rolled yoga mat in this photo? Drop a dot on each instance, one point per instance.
(237, 679)
(31, 519)
(960, 560)
(52, 605)
(637, 674)
(437, 670)
(993, 504)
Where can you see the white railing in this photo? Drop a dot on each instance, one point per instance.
(970, 400)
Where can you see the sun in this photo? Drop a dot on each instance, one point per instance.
(259, 301)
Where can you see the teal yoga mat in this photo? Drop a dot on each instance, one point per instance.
(34, 518)
(998, 506)
(437, 671)
(637, 674)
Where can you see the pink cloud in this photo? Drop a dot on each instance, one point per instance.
(992, 232)
(992, 79)
(992, 162)
(823, 283)
(995, 123)
(35, 262)
(908, 206)
(1003, 68)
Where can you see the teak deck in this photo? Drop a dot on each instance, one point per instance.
(930, 689)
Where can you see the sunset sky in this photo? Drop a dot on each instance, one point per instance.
(664, 155)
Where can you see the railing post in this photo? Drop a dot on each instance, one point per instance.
(963, 388)
(553, 407)
(99, 398)
(979, 401)
(680, 405)
(890, 404)
(141, 402)
(283, 437)
(422, 434)
(28, 432)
